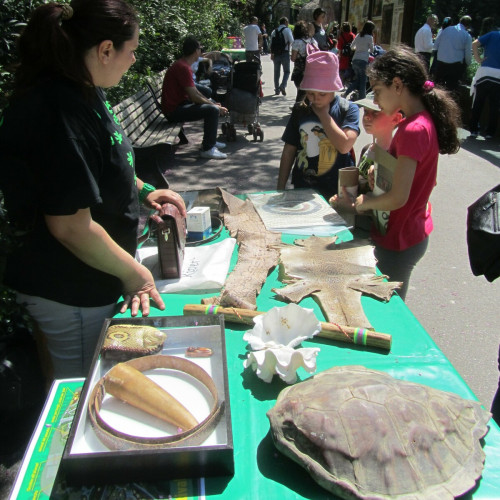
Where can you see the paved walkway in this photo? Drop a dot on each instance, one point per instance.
(460, 311)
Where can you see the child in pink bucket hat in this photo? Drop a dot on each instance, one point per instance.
(321, 131)
(322, 72)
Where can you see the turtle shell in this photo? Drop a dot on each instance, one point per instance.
(363, 434)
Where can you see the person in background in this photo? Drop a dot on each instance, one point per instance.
(486, 83)
(253, 40)
(346, 37)
(399, 82)
(424, 44)
(72, 196)
(181, 101)
(362, 46)
(202, 68)
(334, 48)
(301, 44)
(281, 56)
(447, 21)
(454, 53)
(319, 18)
(265, 39)
(321, 130)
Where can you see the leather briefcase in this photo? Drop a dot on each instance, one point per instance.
(483, 235)
(171, 236)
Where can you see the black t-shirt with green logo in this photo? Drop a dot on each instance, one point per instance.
(61, 151)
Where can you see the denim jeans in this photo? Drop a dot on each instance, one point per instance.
(203, 89)
(190, 112)
(281, 60)
(71, 332)
(359, 81)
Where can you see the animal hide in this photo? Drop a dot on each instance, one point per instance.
(258, 253)
(335, 275)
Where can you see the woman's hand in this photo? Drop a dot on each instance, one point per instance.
(139, 289)
(158, 197)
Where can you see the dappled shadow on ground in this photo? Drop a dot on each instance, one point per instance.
(486, 149)
(250, 165)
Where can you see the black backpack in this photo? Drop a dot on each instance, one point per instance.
(346, 49)
(278, 42)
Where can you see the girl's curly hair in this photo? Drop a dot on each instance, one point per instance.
(402, 62)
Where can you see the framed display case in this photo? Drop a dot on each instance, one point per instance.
(90, 458)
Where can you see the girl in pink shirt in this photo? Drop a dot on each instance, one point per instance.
(400, 82)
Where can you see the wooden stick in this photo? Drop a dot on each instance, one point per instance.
(360, 336)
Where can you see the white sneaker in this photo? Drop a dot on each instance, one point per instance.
(220, 145)
(213, 153)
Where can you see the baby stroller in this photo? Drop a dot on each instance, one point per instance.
(243, 100)
(221, 75)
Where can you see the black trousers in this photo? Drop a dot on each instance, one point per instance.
(426, 58)
(486, 91)
(448, 75)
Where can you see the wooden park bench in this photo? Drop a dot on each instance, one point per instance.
(153, 137)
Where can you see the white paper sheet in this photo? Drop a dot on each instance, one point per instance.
(205, 267)
(301, 211)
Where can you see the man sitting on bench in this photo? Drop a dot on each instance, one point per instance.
(181, 101)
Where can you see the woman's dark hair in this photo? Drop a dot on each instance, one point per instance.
(57, 38)
(300, 30)
(402, 62)
(487, 25)
(368, 28)
(346, 27)
(447, 21)
(318, 12)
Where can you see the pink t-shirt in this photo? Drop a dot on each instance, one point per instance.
(416, 138)
(178, 77)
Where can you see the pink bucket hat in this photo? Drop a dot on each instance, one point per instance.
(322, 72)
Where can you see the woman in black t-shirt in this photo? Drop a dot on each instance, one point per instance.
(67, 174)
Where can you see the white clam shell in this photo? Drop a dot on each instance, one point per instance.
(283, 361)
(273, 339)
(282, 326)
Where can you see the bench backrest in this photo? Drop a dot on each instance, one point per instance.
(155, 85)
(142, 119)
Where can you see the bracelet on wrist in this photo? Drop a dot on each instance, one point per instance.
(146, 189)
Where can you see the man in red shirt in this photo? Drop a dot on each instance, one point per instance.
(181, 101)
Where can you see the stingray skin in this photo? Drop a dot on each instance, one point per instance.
(335, 275)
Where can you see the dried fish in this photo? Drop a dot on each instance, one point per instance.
(125, 341)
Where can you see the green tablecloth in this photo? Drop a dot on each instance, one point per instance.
(261, 472)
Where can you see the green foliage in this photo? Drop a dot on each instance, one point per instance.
(14, 317)
(456, 9)
(13, 17)
(164, 23)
